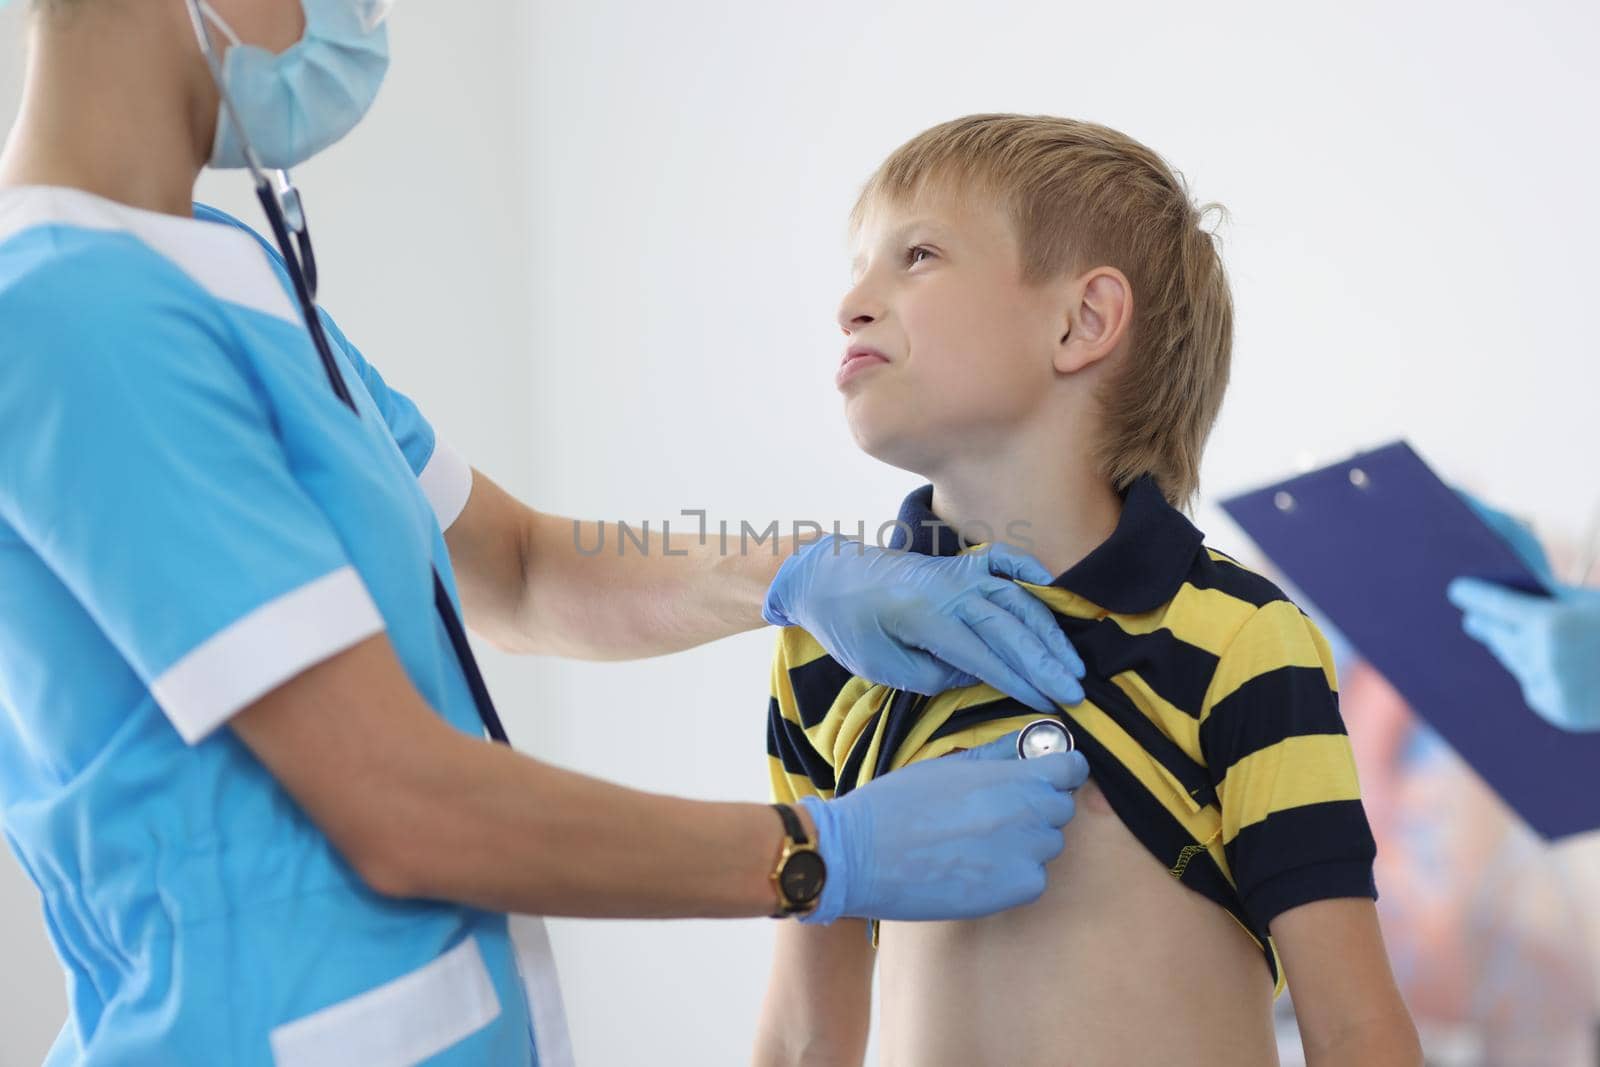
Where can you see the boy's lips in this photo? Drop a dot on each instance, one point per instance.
(856, 359)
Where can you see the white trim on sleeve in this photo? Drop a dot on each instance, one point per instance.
(223, 260)
(399, 1023)
(264, 649)
(446, 481)
(536, 963)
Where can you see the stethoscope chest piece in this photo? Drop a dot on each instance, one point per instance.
(1041, 737)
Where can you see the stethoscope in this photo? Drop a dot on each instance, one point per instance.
(286, 215)
(1041, 737)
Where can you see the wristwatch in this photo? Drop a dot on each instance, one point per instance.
(800, 873)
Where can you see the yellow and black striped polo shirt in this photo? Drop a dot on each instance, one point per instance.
(1211, 721)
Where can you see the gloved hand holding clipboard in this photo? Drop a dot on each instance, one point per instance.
(1373, 542)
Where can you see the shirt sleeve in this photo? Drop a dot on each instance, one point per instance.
(445, 477)
(141, 465)
(1293, 827)
(805, 683)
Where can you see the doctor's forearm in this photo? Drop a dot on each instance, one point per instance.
(420, 809)
(538, 583)
(489, 827)
(634, 603)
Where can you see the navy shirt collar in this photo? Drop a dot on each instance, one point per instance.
(1138, 568)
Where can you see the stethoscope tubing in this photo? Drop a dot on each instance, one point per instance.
(302, 270)
(305, 295)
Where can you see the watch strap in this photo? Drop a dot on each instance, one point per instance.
(791, 824)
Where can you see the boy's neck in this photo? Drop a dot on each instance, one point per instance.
(1068, 508)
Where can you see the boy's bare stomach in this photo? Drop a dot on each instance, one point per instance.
(1117, 965)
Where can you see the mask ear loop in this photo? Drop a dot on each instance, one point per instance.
(285, 196)
(302, 267)
(374, 13)
(199, 13)
(218, 21)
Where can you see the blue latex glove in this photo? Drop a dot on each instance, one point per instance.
(929, 623)
(951, 838)
(1516, 533)
(1551, 645)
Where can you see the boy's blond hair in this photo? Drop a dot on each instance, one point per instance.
(1081, 195)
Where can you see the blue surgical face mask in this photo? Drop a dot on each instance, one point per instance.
(293, 104)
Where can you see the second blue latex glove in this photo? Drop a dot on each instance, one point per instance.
(929, 623)
(958, 837)
(1551, 645)
(1515, 533)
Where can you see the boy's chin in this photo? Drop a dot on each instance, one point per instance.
(899, 446)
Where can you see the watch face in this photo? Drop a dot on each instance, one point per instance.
(802, 877)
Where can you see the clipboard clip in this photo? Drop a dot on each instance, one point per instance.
(1285, 502)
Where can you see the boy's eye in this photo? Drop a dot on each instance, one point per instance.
(917, 253)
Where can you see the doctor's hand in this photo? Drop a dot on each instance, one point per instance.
(929, 623)
(1551, 645)
(1515, 533)
(952, 838)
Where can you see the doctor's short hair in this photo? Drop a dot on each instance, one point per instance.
(1082, 195)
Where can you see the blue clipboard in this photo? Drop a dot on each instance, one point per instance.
(1372, 542)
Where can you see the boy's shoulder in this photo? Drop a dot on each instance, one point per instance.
(1221, 625)
(1249, 598)
(1249, 625)
(1217, 570)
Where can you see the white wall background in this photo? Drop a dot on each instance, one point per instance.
(602, 244)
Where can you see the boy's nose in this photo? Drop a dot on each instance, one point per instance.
(855, 312)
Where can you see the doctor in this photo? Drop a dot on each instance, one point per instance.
(241, 747)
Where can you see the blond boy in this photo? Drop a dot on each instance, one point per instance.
(1040, 327)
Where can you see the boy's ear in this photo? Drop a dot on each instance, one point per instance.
(1098, 318)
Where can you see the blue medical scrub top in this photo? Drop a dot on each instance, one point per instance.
(188, 518)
